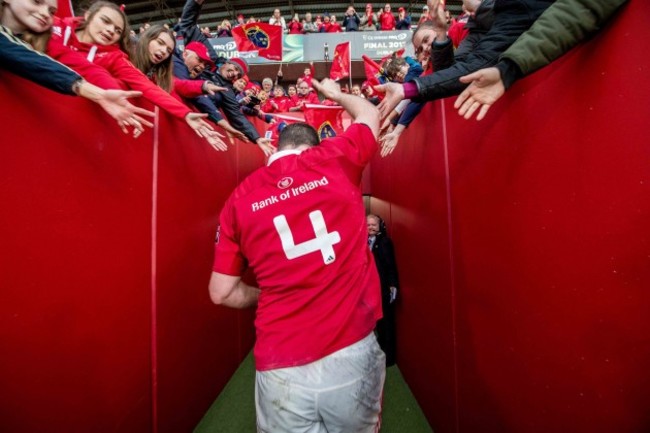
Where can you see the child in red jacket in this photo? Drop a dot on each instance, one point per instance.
(279, 102)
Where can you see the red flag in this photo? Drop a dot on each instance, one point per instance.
(374, 72)
(264, 38)
(273, 131)
(327, 120)
(341, 62)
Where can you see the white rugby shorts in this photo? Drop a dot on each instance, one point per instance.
(340, 393)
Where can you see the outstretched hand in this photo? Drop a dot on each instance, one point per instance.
(239, 135)
(204, 130)
(216, 142)
(211, 88)
(231, 131)
(115, 103)
(485, 88)
(387, 124)
(394, 94)
(389, 142)
(266, 146)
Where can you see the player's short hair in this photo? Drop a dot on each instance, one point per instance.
(296, 134)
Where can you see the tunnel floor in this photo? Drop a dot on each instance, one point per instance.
(234, 410)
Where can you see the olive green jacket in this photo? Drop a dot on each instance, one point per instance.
(562, 26)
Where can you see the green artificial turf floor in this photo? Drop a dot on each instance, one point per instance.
(234, 410)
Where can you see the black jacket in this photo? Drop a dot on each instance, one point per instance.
(384, 254)
(511, 19)
(20, 58)
(210, 105)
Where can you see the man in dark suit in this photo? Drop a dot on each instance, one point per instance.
(382, 249)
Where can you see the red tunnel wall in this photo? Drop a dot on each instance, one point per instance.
(81, 350)
(522, 242)
(524, 248)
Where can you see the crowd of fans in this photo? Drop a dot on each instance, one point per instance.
(385, 19)
(104, 59)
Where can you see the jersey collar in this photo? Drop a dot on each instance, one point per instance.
(280, 154)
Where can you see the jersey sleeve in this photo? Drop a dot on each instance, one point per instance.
(136, 80)
(228, 258)
(188, 88)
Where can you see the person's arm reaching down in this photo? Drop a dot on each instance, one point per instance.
(558, 29)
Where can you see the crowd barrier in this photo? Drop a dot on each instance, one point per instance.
(106, 324)
(523, 247)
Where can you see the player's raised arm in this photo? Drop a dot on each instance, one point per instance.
(360, 109)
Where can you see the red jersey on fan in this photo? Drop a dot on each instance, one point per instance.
(300, 225)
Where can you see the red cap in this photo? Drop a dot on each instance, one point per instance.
(400, 10)
(200, 51)
(245, 78)
(240, 16)
(240, 63)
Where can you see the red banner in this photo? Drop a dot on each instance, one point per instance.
(327, 120)
(341, 62)
(265, 39)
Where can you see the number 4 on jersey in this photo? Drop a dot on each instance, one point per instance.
(323, 241)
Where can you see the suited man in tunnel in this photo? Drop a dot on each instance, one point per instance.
(382, 250)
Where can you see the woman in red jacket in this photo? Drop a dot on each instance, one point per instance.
(96, 46)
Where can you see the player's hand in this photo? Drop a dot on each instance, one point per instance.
(266, 146)
(394, 95)
(329, 88)
(485, 88)
(438, 18)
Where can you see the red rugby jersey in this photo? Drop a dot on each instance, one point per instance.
(300, 224)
